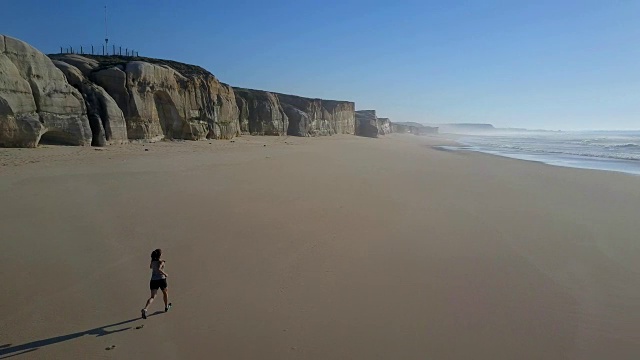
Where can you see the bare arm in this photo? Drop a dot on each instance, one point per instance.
(161, 268)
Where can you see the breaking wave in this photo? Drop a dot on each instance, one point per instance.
(564, 147)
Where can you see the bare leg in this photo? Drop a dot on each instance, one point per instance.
(153, 296)
(165, 297)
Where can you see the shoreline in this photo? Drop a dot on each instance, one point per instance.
(17, 157)
(541, 162)
(557, 161)
(616, 151)
(450, 142)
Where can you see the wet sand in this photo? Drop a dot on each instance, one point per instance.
(326, 248)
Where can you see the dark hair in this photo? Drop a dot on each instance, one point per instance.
(155, 255)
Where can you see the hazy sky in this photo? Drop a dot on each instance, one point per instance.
(535, 64)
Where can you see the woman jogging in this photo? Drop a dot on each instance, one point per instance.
(158, 281)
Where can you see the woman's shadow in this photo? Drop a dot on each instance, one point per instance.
(8, 350)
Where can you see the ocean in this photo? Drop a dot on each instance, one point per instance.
(600, 150)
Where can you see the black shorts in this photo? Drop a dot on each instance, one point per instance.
(158, 284)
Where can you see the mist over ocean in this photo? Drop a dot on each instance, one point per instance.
(600, 150)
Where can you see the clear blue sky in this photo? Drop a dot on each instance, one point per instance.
(535, 64)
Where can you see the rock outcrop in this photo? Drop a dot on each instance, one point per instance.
(267, 113)
(107, 121)
(367, 123)
(384, 126)
(163, 99)
(85, 65)
(36, 101)
(400, 128)
(317, 117)
(260, 113)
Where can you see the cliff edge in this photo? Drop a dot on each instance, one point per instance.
(97, 100)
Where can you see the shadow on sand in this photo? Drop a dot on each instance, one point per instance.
(7, 350)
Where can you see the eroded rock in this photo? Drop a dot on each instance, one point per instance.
(384, 126)
(321, 117)
(160, 102)
(261, 112)
(267, 113)
(101, 100)
(106, 120)
(367, 123)
(36, 101)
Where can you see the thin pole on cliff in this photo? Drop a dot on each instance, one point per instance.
(106, 32)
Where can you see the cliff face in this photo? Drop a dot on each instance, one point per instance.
(316, 117)
(261, 113)
(400, 128)
(36, 102)
(106, 120)
(102, 100)
(157, 101)
(367, 123)
(266, 113)
(384, 126)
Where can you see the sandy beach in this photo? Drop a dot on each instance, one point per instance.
(315, 248)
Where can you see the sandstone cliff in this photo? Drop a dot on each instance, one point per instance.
(36, 102)
(367, 123)
(260, 113)
(163, 99)
(384, 126)
(400, 128)
(106, 120)
(267, 113)
(317, 117)
(102, 100)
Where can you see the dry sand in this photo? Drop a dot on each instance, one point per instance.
(329, 248)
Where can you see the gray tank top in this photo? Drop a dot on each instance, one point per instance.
(155, 270)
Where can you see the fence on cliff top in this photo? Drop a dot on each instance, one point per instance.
(111, 50)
